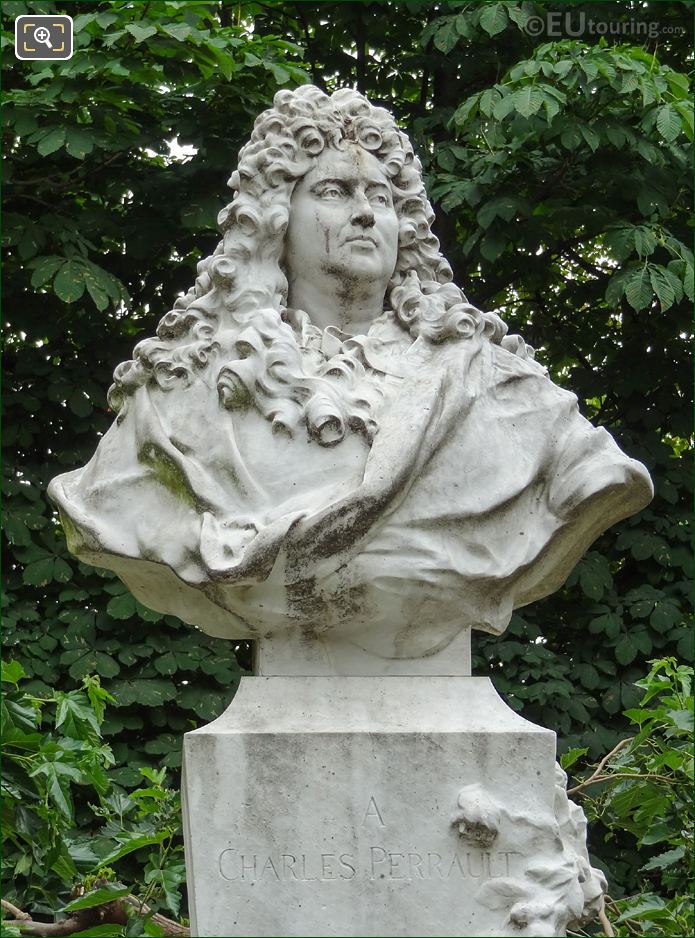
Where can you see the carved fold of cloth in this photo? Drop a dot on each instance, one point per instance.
(477, 490)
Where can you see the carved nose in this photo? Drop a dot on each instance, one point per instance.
(363, 213)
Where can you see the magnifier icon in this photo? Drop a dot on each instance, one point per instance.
(41, 34)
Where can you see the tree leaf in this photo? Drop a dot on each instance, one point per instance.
(666, 614)
(170, 878)
(645, 241)
(527, 100)
(147, 692)
(280, 74)
(488, 99)
(662, 288)
(121, 607)
(591, 137)
(140, 33)
(80, 404)
(689, 283)
(609, 623)
(594, 575)
(626, 650)
(44, 268)
(588, 675)
(178, 31)
(493, 18)
(616, 135)
(69, 282)
(644, 906)
(75, 716)
(79, 143)
(40, 572)
(638, 289)
(130, 842)
(93, 661)
(563, 67)
(668, 122)
(504, 106)
(100, 896)
(166, 664)
(17, 715)
(51, 141)
(568, 758)
(446, 37)
(466, 110)
(570, 138)
(666, 859)
(492, 245)
(57, 785)
(207, 705)
(11, 672)
(685, 109)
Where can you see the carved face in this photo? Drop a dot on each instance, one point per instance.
(342, 222)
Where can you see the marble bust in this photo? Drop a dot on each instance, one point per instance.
(324, 439)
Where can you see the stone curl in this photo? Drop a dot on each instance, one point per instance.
(244, 275)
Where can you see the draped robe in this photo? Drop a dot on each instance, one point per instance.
(481, 490)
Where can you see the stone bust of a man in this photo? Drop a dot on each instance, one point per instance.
(325, 438)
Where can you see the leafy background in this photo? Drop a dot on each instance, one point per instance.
(560, 174)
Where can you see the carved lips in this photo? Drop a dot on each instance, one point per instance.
(361, 239)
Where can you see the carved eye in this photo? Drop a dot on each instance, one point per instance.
(379, 198)
(331, 192)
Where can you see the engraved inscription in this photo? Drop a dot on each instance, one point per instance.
(251, 868)
(378, 863)
(470, 864)
(373, 813)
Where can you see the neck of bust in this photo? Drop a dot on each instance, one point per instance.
(351, 306)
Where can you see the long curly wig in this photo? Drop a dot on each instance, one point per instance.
(234, 318)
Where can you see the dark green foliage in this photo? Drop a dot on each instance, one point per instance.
(65, 821)
(598, 276)
(102, 229)
(645, 788)
(560, 174)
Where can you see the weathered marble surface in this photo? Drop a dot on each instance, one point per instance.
(328, 449)
(387, 467)
(380, 806)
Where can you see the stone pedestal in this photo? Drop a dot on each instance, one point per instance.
(288, 653)
(401, 805)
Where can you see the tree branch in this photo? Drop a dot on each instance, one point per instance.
(616, 910)
(66, 176)
(605, 924)
(109, 913)
(169, 925)
(16, 913)
(80, 921)
(612, 775)
(32, 198)
(585, 265)
(599, 767)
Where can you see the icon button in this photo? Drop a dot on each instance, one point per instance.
(43, 38)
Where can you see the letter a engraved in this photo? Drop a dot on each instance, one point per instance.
(373, 812)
